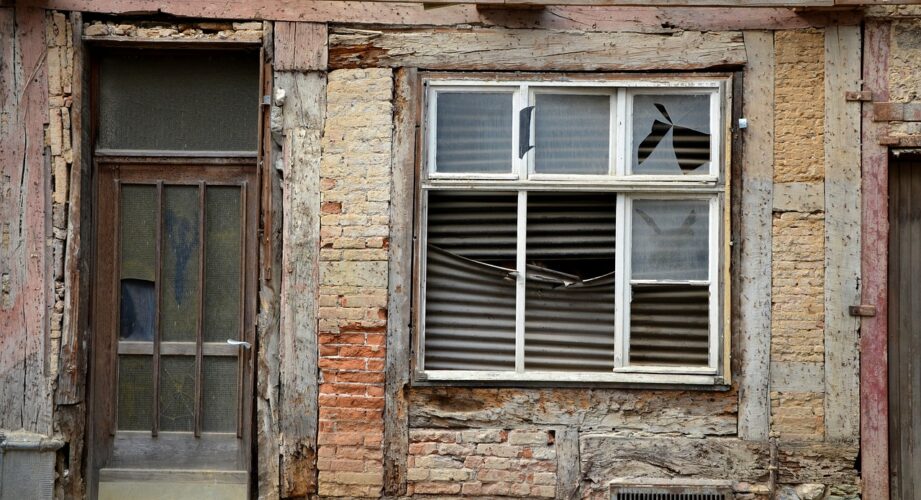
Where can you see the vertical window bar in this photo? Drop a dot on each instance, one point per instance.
(199, 335)
(156, 347)
(241, 354)
(521, 268)
(116, 291)
(621, 283)
(620, 134)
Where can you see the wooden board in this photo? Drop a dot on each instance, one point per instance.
(874, 409)
(757, 191)
(842, 232)
(508, 49)
(25, 392)
(397, 364)
(303, 111)
(300, 46)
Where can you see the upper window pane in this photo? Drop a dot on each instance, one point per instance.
(671, 134)
(670, 239)
(572, 134)
(474, 132)
(179, 101)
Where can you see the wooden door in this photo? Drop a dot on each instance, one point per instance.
(905, 328)
(174, 303)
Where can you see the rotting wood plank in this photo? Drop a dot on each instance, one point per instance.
(25, 392)
(511, 49)
(757, 193)
(842, 232)
(303, 111)
(874, 405)
(397, 363)
(682, 412)
(569, 470)
(300, 46)
(265, 425)
(646, 17)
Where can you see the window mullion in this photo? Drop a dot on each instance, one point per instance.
(620, 134)
(621, 282)
(521, 277)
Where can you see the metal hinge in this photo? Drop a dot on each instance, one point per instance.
(862, 95)
(862, 310)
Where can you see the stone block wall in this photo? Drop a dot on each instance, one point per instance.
(798, 232)
(354, 228)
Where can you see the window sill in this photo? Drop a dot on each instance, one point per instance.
(697, 382)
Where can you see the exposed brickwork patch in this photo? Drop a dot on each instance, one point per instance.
(354, 225)
(482, 462)
(798, 416)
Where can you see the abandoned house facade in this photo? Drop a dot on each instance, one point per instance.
(300, 249)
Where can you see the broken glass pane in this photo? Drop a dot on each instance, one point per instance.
(671, 134)
(474, 132)
(569, 297)
(177, 393)
(572, 134)
(670, 239)
(179, 290)
(670, 325)
(470, 281)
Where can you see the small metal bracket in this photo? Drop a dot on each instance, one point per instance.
(863, 95)
(862, 310)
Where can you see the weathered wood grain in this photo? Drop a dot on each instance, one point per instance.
(690, 413)
(507, 49)
(842, 232)
(300, 46)
(569, 463)
(757, 192)
(397, 363)
(25, 392)
(823, 463)
(645, 18)
(304, 109)
(874, 404)
(799, 197)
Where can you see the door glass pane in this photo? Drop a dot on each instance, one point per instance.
(474, 132)
(180, 254)
(138, 221)
(223, 230)
(177, 393)
(670, 239)
(671, 134)
(572, 134)
(135, 393)
(182, 101)
(219, 393)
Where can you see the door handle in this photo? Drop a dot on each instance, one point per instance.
(242, 343)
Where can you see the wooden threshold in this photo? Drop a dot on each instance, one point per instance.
(111, 475)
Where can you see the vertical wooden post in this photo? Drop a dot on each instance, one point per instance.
(757, 193)
(874, 404)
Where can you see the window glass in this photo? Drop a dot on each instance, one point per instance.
(179, 101)
(671, 134)
(572, 134)
(669, 324)
(670, 239)
(474, 132)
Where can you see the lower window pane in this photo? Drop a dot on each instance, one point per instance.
(177, 393)
(219, 394)
(469, 288)
(670, 325)
(135, 393)
(569, 306)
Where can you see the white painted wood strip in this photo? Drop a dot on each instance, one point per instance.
(514, 49)
(842, 232)
(757, 188)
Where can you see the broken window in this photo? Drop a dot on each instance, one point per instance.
(572, 231)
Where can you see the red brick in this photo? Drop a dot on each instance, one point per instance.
(331, 207)
(343, 364)
(361, 352)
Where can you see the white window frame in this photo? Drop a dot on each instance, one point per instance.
(712, 186)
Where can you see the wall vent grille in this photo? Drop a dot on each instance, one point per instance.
(670, 493)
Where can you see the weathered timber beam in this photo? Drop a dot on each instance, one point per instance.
(644, 18)
(505, 49)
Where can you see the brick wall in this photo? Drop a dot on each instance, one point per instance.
(354, 226)
(798, 244)
(482, 462)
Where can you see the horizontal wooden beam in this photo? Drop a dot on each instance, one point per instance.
(645, 18)
(533, 50)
